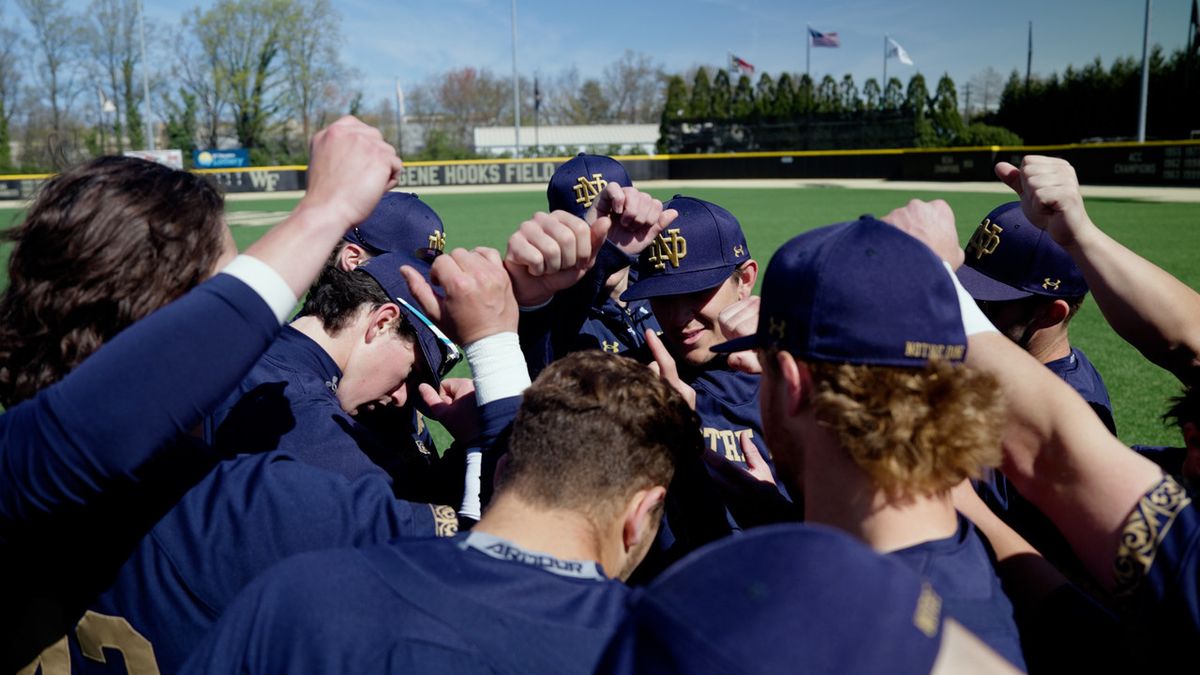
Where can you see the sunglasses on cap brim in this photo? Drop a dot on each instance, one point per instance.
(451, 354)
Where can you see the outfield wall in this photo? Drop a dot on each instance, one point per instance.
(1156, 163)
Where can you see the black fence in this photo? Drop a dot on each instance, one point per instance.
(1150, 164)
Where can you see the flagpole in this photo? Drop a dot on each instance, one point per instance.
(808, 52)
(516, 85)
(1029, 58)
(1145, 77)
(885, 51)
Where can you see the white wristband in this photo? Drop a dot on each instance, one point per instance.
(973, 318)
(264, 280)
(472, 505)
(498, 367)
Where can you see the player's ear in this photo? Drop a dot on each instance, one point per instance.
(382, 321)
(351, 256)
(796, 379)
(747, 276)
(643, 512)
(1052, 313)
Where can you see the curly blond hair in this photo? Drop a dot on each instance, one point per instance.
(913, 431)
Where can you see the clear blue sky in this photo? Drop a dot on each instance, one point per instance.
(412, 39)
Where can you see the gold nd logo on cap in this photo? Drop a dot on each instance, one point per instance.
(586, 190)
(985, 240)
(437, 241)
(668, 249)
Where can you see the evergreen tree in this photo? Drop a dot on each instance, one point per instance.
(872, 95)
(828, 100)
(676, 104)
(784, 104)
(947, 122)
(742, 103)
(764, 96)
(700, 107)
(721, 96)
(804, 95)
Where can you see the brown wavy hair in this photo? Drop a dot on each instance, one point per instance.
(103, 245)
(914, 431)
(595, 428)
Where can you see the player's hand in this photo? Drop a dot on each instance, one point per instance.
(739, 320)
(479, 300)
(351, 167)
(550, 252)
(637, 218)
(453, 405)
(933, 224)
(664, 367)
(1050, 196)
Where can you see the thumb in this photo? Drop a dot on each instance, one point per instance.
(600, 230)
(746, 362)
(662, 358)
(430, 396)
(1010, 176)
(423, 293)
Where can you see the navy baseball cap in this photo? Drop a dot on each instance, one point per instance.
(860, 292)
(698, 251)
(401, 222)
(814, 601)
(439, 351)
(578, 181)
(1009, 258)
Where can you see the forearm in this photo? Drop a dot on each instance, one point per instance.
(298, 247)
(1152, 310)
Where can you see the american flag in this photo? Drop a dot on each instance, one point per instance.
(820, 39)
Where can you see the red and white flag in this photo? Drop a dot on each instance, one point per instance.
(820, 39)
(737, 64)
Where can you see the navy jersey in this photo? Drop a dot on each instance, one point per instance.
(1158, 570)
(288, 402)
(476, 604)
(616, 329)
(962, 572)
(90, 462)
(244, 516)
(1076, 370)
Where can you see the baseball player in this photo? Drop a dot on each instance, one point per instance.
(870, 412)
(252, 511)
(1030, 289)
(532, 589)
(90, 459)
(588, 315)
(1134, 528)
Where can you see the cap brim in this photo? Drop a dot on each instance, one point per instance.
(678, 283)
(385, 269)
(736, 345)
(983, 287)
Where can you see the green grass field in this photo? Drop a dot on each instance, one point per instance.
(1166, 233)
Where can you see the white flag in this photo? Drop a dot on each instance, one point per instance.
(895, 51)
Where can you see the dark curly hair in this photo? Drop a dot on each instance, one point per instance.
(103, 245)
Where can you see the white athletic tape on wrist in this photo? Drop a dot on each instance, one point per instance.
(973, 318)
(472, 505)
(498, 367)
(265, 281)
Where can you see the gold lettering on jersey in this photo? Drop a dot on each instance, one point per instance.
(1050, 285)
(928, 615)
(613, 347)
(776, 327)
(586, 190)
(925, 350)
(725, 442)
(739, 250)
(99, 631)
(985, 240)
(437, 241)
(672, 249)
(54, 660)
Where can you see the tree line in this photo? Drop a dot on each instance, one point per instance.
(265, 74)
